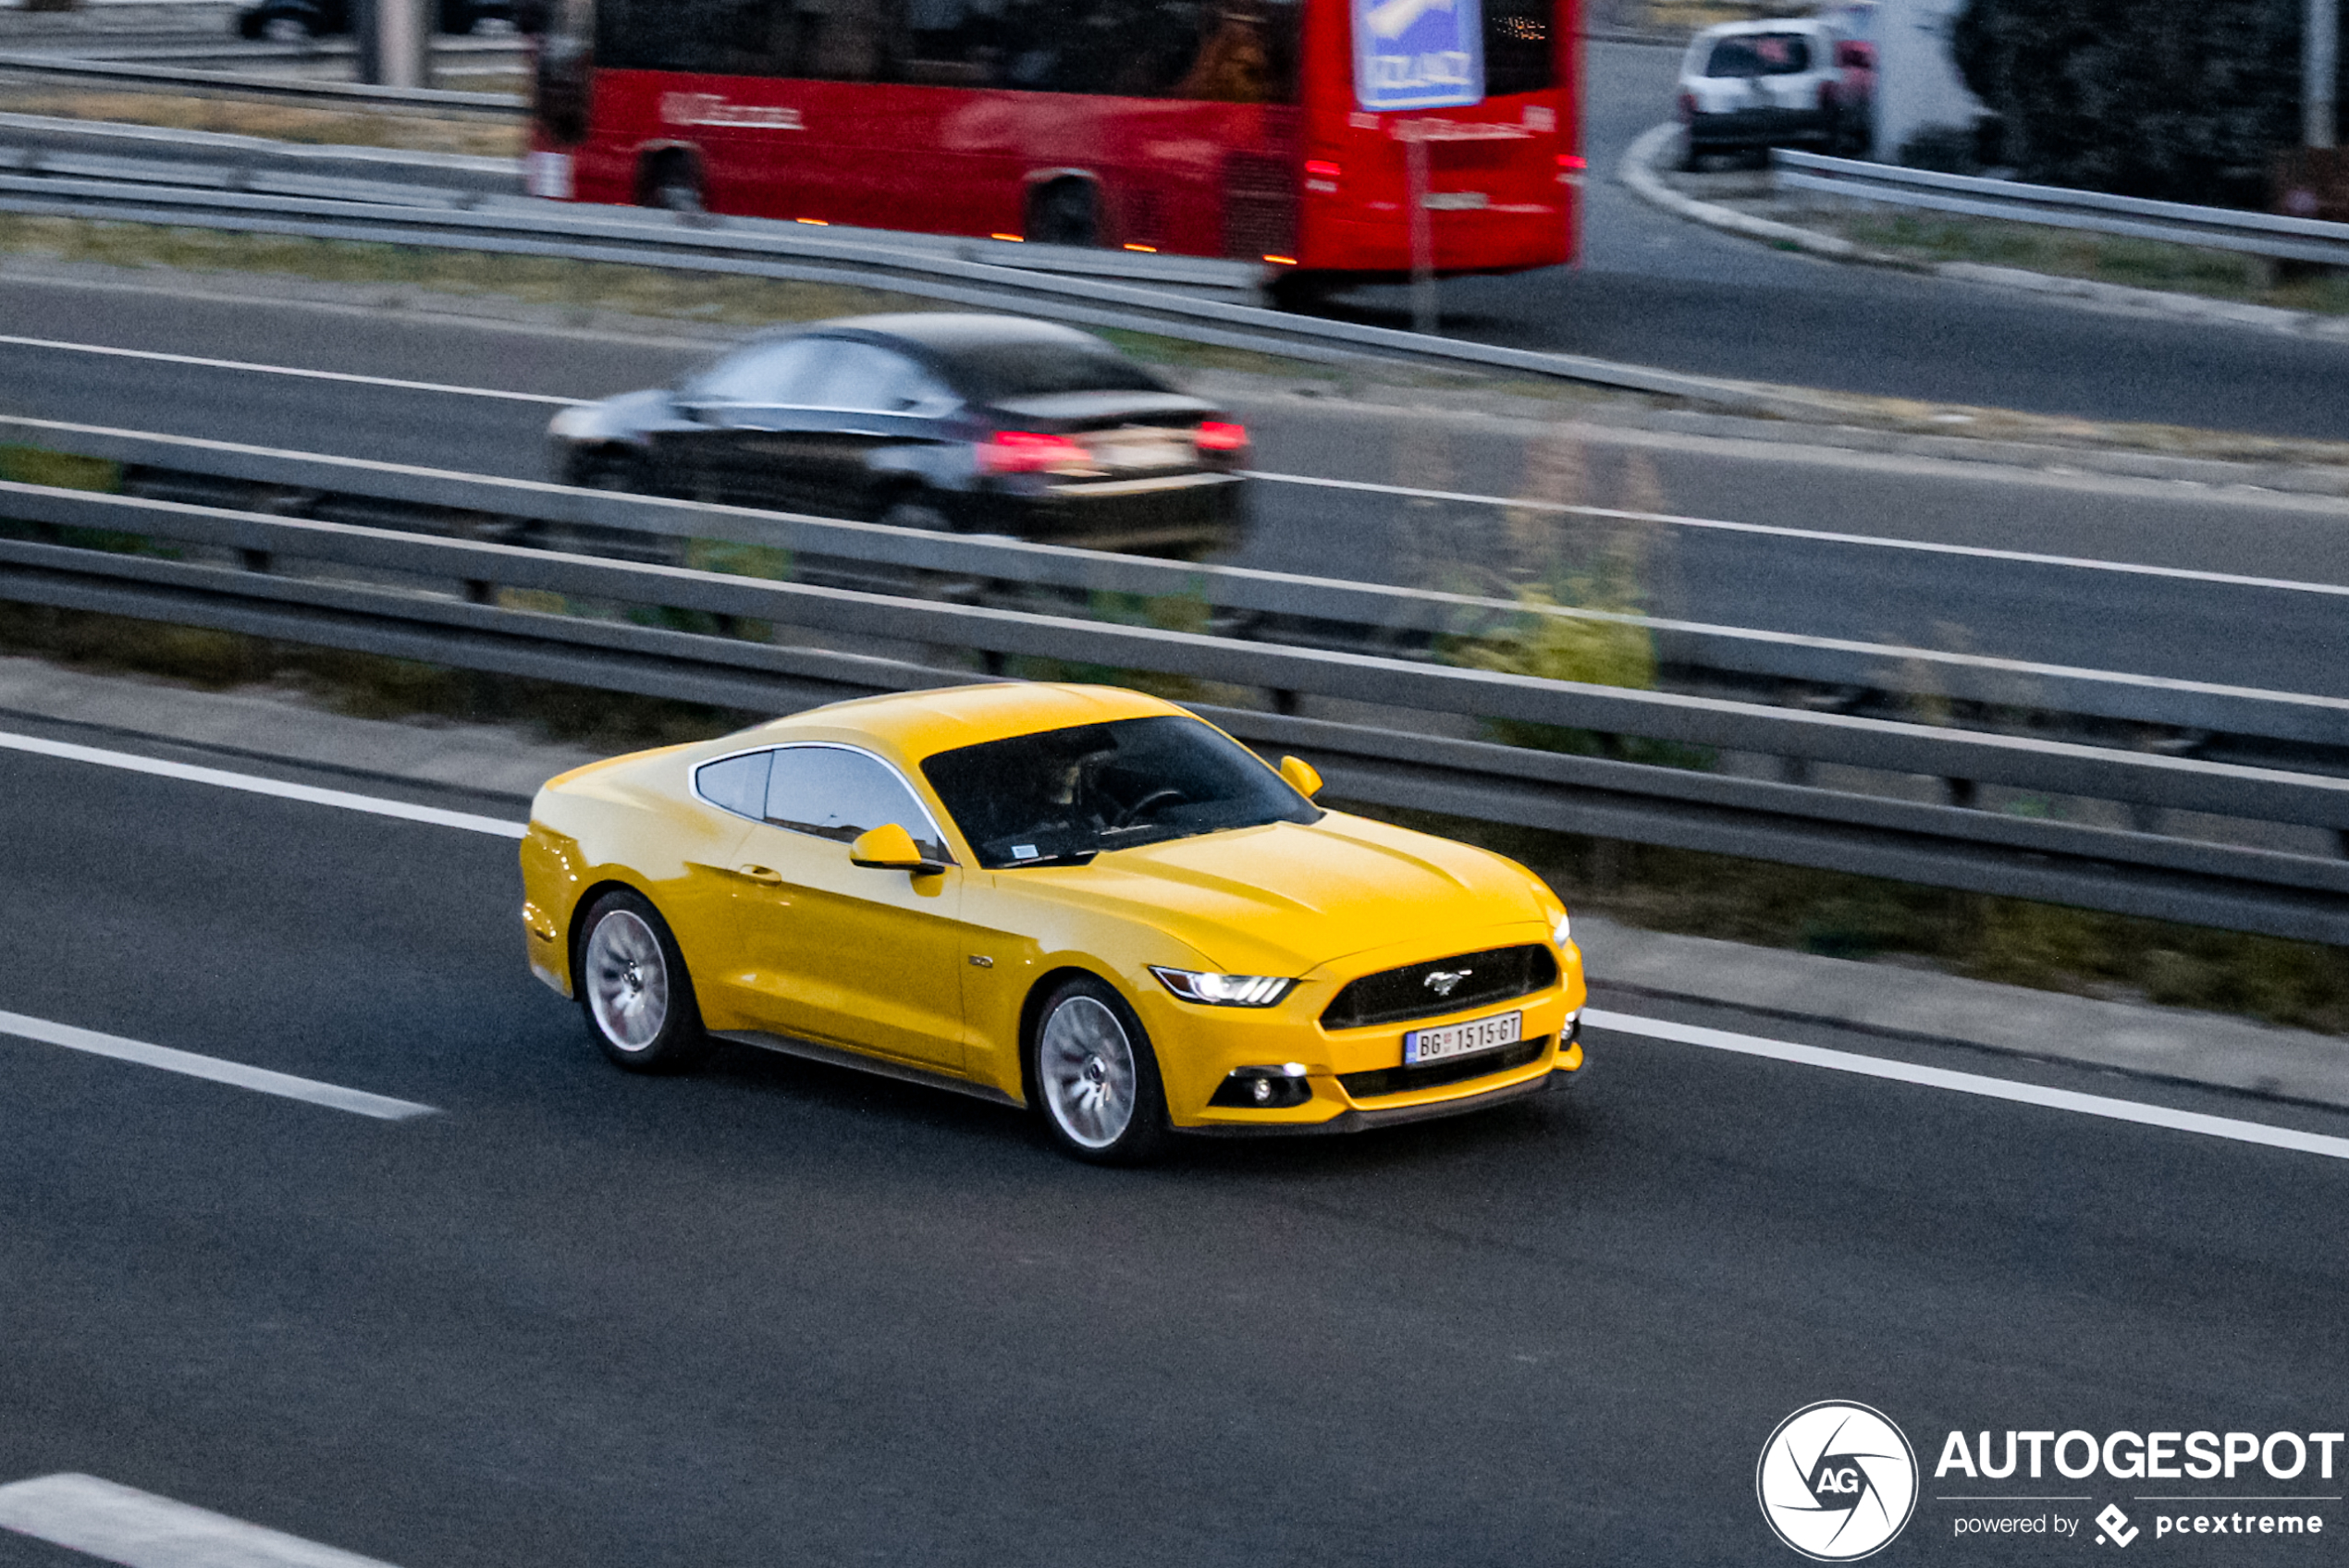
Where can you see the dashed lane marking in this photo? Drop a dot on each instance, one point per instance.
(139, 1529)
(217, 1069)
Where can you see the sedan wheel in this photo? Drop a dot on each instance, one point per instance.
(633, 984)
(1095, 1077)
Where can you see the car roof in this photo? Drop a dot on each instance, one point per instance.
(1774, 24)
(953, 332)
(921, 724)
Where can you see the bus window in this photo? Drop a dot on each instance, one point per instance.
(825, 40)
(1521, 47)
(1227, 51)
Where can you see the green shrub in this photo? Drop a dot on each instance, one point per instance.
(2180, 100)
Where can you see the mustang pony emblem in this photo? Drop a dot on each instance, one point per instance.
(1444, 981)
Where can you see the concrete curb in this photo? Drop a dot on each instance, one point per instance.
(1638, 171)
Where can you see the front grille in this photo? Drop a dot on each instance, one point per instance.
(1435, 1074)
(1396, 994)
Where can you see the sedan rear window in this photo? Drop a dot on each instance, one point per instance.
(1074, 792)
(998, 373)
(1760, 54)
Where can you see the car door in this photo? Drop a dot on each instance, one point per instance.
(876, 410)
(749, 416)
(837, 952)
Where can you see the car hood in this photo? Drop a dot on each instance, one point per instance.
(1287, 897)
(617, 418)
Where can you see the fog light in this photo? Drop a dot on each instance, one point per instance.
(1264, 1088)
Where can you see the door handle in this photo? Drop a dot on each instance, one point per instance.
(758, 874)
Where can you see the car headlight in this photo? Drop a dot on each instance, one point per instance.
(1223, 990)
(1563, 933)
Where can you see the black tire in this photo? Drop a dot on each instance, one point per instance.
(909, 513)
(1065, 213)
(1093, 1076)
(672, 180)
(608, 467)
(1301, 292)
(634, 988)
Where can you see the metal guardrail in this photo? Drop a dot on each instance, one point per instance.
(428, 616)
(1281, 607)
(2221, 228)
(125, 73)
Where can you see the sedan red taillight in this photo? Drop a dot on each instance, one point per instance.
(1026, 451)
(1221, 436)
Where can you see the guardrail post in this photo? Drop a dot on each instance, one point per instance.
(2320, 62)
(256, 560)
(1962, 792)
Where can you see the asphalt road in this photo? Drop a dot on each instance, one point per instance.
(2181, 627)
(774, 1312)
(1655, 290)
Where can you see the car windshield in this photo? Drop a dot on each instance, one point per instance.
(998, 372)
(1761, 54)
(1076, 792)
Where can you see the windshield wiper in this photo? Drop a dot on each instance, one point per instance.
(1076, 857)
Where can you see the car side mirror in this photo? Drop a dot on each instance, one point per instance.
(890, 848)
(1301, 776)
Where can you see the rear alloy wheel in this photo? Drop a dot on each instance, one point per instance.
(633, 989)
(1095, 1077)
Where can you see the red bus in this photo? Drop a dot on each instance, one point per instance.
(1203, 127)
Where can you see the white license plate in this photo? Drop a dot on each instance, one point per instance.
(1462, 1039)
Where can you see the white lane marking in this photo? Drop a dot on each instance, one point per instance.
(1975, 1083)
(158, 357)
(254, 784)
(334, 1097)
(140, 1530)
(1814, 535)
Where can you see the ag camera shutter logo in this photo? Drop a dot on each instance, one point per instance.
(1836, 1481)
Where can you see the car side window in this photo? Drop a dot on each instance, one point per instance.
(739, 784)
(868, 378)
(835, 794)
(780, 373)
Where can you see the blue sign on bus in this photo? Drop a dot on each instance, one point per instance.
(1418, 54)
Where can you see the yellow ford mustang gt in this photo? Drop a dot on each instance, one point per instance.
(1074, 898)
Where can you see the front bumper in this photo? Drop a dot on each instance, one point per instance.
(1353, 1076)
(1760, 128)
(1559, 1077)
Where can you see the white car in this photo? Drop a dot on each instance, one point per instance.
(1751, 85)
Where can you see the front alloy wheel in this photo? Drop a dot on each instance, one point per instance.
(1095, 1077)
(633, 984)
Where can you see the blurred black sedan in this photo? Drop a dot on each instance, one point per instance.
(977, 424)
